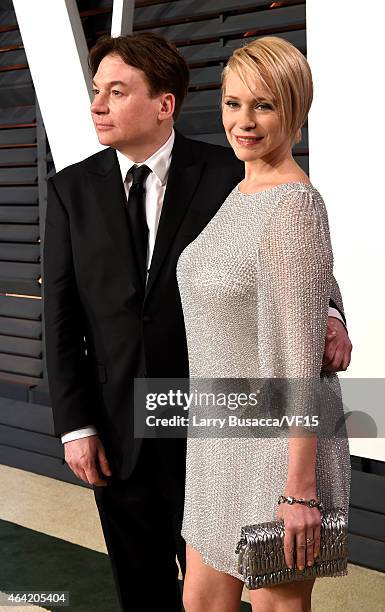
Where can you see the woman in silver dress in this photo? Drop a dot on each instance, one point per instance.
(255, 287)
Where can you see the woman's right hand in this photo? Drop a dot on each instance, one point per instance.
(302, 533)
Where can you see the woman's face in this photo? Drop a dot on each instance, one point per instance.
(251, 121)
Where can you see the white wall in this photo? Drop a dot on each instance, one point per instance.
(346, 52)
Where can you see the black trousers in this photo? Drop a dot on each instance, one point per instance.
(141, 520)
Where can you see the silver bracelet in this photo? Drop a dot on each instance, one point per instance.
(312, 503)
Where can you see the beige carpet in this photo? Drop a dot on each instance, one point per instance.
(69, 512)
(22, 608)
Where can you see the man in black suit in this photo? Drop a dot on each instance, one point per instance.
(112, 309)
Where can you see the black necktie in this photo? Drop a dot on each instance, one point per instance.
(137, 217)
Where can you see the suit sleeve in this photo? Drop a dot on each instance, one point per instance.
(67, 364)
(336, 299)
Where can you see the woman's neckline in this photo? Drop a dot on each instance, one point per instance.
(273, 187)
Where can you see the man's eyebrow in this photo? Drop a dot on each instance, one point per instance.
(112, 83)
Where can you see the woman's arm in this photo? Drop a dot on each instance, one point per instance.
(301, 522)
(296, 260)
(301, 469)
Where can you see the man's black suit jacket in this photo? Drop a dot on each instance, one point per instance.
(102, 329)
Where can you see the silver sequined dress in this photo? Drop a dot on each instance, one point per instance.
(255, 288)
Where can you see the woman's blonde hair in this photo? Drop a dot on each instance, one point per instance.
(283, 71)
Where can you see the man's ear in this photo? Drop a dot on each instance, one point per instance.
(167, 106)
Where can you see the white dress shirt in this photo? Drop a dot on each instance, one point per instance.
(155, 185)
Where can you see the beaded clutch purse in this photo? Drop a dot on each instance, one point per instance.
(261, 558)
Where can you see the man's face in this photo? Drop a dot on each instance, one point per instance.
(124, 114)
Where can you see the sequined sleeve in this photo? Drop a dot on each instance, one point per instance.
(295, 262)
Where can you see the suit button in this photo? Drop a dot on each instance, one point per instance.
(146, 319)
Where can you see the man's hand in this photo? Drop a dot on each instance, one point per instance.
(87, 459)
(338, 347)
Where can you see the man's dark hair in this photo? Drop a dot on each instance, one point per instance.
(164, 67)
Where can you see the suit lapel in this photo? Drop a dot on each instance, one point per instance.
(183, 179)
(109, 195)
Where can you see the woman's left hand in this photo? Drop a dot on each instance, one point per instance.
(302, 533)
